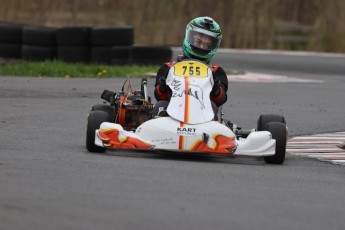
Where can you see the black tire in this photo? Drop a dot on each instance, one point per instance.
(38, 53)
(9, 50)
(101, 55)
(121, 36)
(73, 36)
(94, 120)
(266, 118)
(110, 110)
(11, 33)
(150, 55)
(39, 36)
(279, 133)
(120, 55)
(73, 54)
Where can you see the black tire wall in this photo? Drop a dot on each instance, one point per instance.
(149, 55)
(11, 40)
(120, 55)
(11, 33)
(38, 53)
(101, 55)
(78, 44)
(39, 36)
(73, 36)
(73, 44)
(9, 50)
(104, 39)
(112, 36)
(39, 43)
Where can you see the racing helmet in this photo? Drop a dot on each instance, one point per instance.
(202, 38)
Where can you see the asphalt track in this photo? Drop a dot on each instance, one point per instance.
(49, 181)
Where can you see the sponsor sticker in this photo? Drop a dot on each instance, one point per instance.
(186, 131)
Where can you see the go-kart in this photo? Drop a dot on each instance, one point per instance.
(188, 125)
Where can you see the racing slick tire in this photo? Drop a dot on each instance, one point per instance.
(279, 133)
(264, 119)
(94, 120)
(110, 110)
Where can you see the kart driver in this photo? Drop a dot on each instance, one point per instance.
(201, 41)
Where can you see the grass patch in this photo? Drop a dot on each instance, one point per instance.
(68, 70)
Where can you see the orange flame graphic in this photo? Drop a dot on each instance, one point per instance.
(110, 138)
(223, 145)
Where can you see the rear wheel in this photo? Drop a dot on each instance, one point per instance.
(110, 110)
(279, 133)
(94, 120)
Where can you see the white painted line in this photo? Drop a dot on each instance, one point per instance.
(317, 138)
(329, 154)
(313, 142)
(302, 148)
(320, 149)
(268, 78)
(287, 53)
(292, 146)
(330, 134)
(339, 161)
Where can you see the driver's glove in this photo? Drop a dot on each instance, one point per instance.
(162, 85)
(216, 88)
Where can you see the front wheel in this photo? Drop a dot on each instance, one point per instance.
(94, 120)
(264, 119)
(279, 133)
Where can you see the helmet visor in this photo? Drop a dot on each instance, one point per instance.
(202, 39)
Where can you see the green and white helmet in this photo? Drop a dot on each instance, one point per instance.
(202, 38)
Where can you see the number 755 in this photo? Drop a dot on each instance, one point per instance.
(191, 70)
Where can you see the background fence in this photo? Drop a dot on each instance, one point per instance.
(316, 25)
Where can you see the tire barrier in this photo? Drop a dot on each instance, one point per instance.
(149, 55)
(78, 44)
(101, 55)
(39, 36)
(73, 36)
(10, 50)
(73, 44)
(123, 36)
(104, 39)
(10, 33)
(120, 55)
(73, 54)
(38, 53)
(11, 40)
(39, 43)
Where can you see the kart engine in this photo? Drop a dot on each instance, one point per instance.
(132, 110)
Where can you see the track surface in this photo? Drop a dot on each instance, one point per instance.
(48, 179)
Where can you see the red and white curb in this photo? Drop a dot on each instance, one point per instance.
(325, 147)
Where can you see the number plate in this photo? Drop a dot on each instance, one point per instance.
(190, 69)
